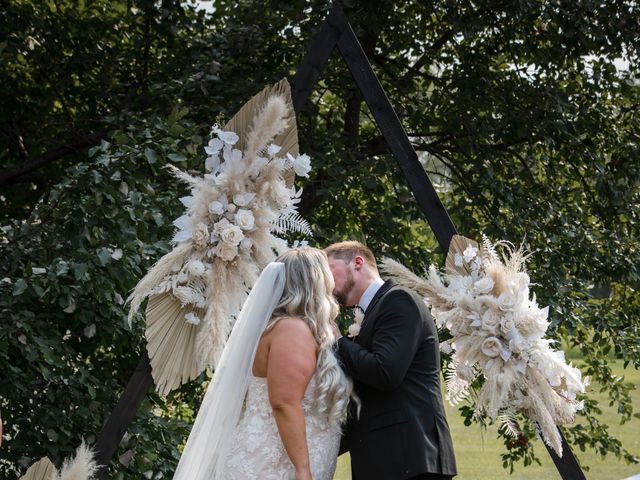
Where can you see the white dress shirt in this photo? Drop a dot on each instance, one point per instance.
(369, 293)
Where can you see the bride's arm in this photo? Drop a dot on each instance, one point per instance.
(291, 363)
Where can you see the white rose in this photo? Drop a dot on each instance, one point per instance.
(353, 330)
(484, 285)
(507, 324)
(226, 251)
(232, 235)
(245, 219)
(230, 208)
(491, 347)
(506, 301)
(200, 235)
(216, 208)
(491, 322)
(220, 226)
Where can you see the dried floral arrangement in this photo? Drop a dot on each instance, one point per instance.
(228, 234)
(498, 331)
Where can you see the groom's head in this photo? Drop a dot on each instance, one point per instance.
(353, 267)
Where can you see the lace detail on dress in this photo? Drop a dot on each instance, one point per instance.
(257, 452)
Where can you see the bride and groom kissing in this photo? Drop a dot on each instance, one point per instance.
(290, 393)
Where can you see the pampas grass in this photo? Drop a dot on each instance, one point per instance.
(81, 467)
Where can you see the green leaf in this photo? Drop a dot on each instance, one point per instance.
(19, 287)
(150, 155)
(176, 157)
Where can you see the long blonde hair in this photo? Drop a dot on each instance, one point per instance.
(308, 294)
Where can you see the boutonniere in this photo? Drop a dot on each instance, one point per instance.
(354, 328)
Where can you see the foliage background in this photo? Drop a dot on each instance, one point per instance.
(518, 111)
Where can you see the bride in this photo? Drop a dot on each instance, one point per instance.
(274, 406)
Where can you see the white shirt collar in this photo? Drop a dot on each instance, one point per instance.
(369, 293)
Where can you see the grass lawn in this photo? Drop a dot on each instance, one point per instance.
(478, 452)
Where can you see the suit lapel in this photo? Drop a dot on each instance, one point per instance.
(376, 298)
(364, 336)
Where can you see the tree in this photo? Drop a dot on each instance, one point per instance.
(516, 108)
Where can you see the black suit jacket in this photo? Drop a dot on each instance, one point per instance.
(402, 430)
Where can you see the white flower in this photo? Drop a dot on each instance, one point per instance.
(491, 347)
(231, 234)
(244, 219)
(299, 243)
(445, 347)
(469, 253)
(226, 251)
(273, 149)
(491, 322)
(458, 260)
(212, 163)
(518, 344)
(192, 318)
(232, 155)
(353, 330)
(117, 254)
(230, 138)
(302, 165)
(230, 207)
(200, 235)
(187, 201)
(182, 222)
(243, 199)
(507, 324)
(484, 285)
(214, 146)
(281, 195)
(216, 208)
(246, 244)
(506, 301)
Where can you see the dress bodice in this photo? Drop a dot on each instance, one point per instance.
(257, 451)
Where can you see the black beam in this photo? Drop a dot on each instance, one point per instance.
(126, 409)
(396, 137)
(567, 465)
(317, 57)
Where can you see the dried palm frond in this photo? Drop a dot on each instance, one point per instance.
(43, 469)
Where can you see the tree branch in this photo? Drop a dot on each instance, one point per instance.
(12, 174)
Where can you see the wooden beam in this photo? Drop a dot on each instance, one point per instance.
(395, 136)
(317, 57)
(123, 414)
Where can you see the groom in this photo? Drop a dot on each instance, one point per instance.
(401, 432)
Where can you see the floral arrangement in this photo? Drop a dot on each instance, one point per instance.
(498, 331)
(227, 235)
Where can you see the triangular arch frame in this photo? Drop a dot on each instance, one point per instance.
(335, 32)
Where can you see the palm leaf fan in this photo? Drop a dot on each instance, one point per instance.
(43, 469)
(171, 342)
(457, 246)
(242, 121)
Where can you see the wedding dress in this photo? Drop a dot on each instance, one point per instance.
(257, 452)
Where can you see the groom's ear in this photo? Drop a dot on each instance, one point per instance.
(358, 261)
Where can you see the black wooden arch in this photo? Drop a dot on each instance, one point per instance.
(334, 32)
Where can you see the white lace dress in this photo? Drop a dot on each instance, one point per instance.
(257, 452)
